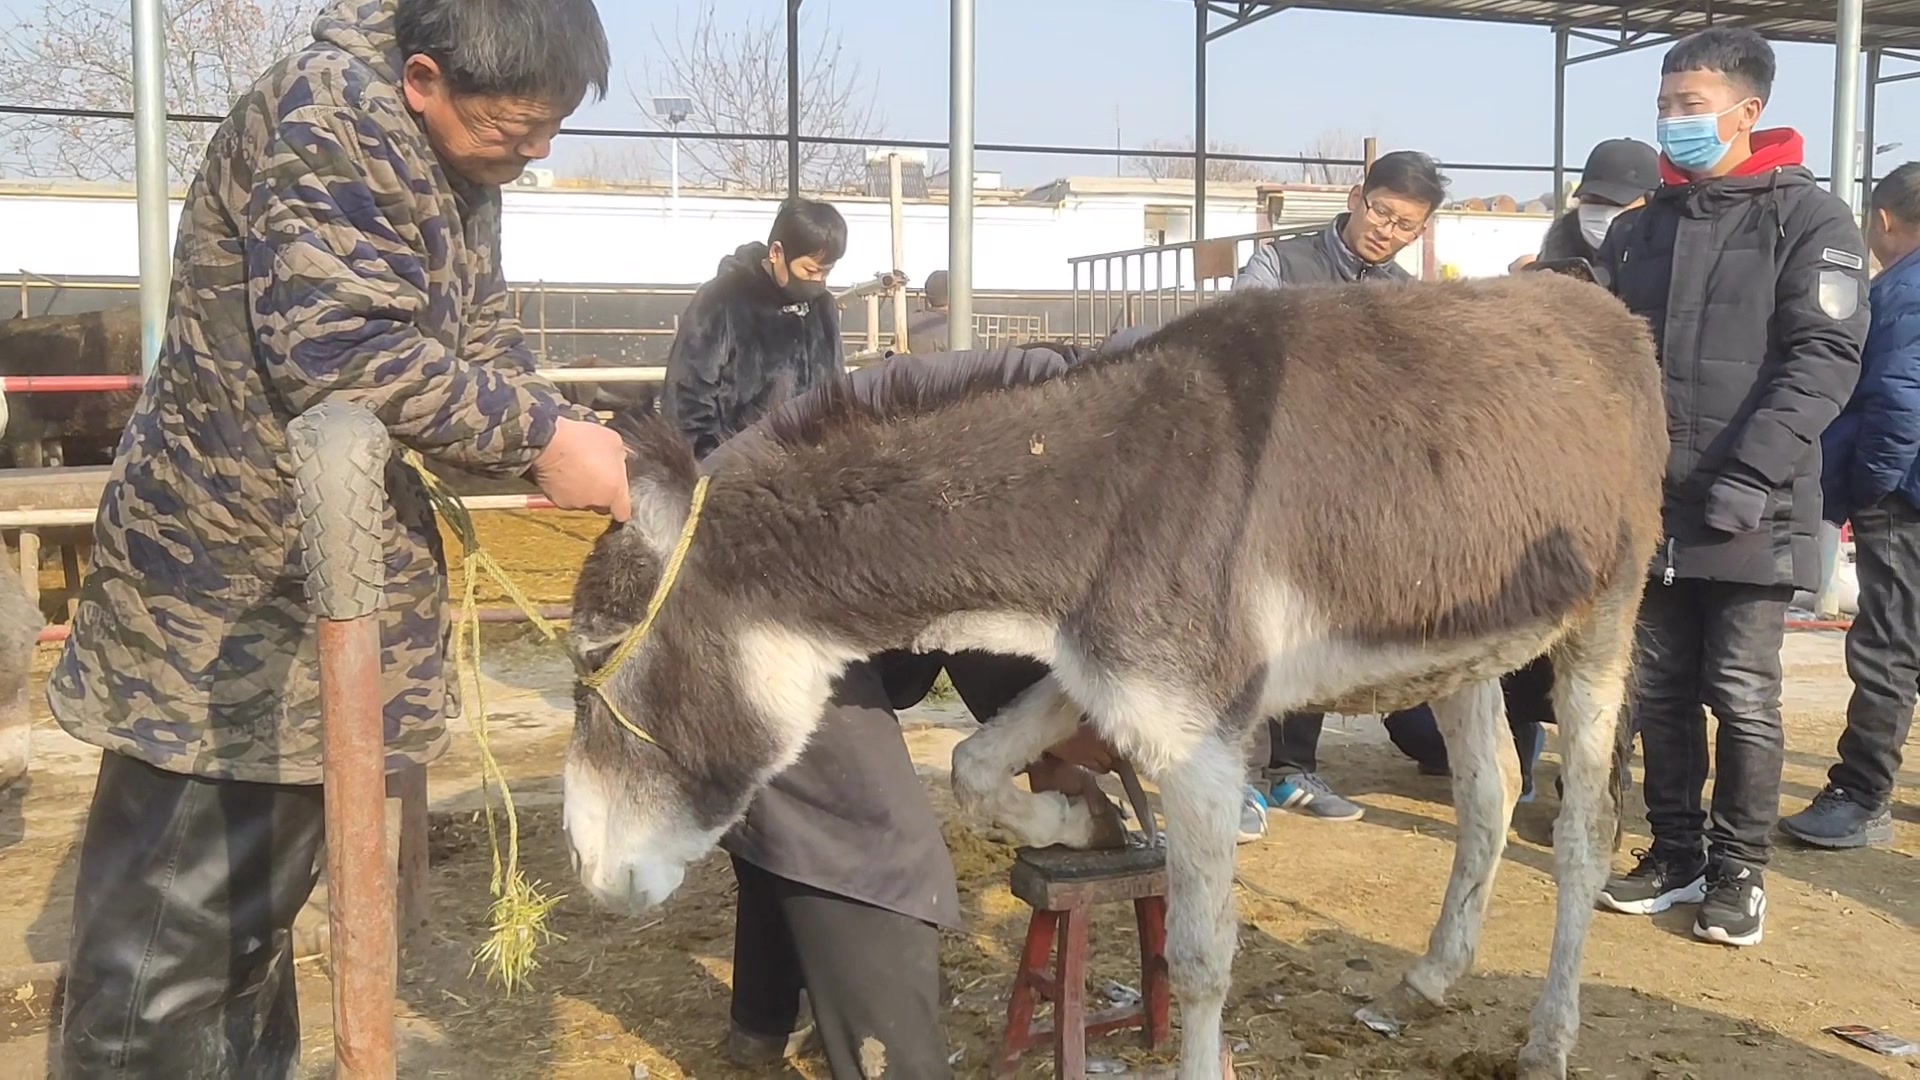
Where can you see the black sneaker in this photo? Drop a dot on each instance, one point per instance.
(1735, 908)
(1836, 820)
(1660, 880)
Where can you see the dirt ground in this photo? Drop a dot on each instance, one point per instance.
(1330, 913)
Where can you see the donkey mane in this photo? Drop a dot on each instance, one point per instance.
(835, 407)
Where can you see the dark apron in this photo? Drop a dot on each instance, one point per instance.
(851, 817)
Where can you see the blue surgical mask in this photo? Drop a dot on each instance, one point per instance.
(1693, 143)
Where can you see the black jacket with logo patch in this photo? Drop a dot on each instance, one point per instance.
(1755, 286)
(743, 346)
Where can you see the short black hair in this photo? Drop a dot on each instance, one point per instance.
(936, 289)
(1898, 193)
(808, 227)
(551, 51)
(1410, 174)
(1743, 56)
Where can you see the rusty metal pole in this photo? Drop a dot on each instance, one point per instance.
(340, 457)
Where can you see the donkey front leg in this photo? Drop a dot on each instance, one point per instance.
(1200, 795)
(1486, 785)
(1590, 676)
(985, 762)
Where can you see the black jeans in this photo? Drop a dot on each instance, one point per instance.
(181, 959)
(1714, 645)
(872, 977)
(1883, 650)
(1293, 743)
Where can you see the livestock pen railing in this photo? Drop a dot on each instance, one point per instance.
(1151, 285)
(566, 322)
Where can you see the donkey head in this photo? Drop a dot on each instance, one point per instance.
(667, 754)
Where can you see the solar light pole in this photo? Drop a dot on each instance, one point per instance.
(675, 111)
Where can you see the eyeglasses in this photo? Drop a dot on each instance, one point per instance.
(1387, 220)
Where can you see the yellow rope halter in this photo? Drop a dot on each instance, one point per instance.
(519, 909)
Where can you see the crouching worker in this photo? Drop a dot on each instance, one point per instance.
(844, 877)
(341, 242)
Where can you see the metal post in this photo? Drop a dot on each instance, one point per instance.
(1561, 41)
(675, 166)
(339, 462)
(1846, 99)
(960, 181)
(1869, 136)
(150, 170)
(793, 98)
(1200, 119)
(897, 215)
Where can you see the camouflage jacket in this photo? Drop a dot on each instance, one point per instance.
(323, 253)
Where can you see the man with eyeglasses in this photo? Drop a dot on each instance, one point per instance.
(1385, 212)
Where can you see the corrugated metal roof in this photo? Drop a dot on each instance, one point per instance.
(1887, 23)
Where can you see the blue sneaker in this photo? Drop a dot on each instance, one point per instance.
(1253, 815)
(1306, 793)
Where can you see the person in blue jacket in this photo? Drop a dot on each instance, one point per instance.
(1872, 476)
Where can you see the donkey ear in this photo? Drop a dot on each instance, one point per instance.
(661, 474)
(660, 508)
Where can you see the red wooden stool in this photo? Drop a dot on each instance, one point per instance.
(1062, 886)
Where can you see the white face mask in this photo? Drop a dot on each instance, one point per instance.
(1594, 221)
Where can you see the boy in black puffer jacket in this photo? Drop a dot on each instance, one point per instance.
(1753, 279)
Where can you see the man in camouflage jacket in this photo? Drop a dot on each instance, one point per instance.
(341, 241)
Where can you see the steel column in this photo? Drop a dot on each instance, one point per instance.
(150, 170)
(1867, 125)
(793, 98)
(960, 180)
(1561, 45)
(1200, 119)
(1846, 100)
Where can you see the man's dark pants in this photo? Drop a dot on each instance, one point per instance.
(789, 935)
(1717, 645)
(1883, 651)
(874, 1019)
(181, 958)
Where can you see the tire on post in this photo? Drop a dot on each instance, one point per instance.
(340, 454)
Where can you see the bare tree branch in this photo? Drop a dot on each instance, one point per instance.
(626, 164)
(1330, 146)
(79, 54)
(737, 78)
(1222, 170)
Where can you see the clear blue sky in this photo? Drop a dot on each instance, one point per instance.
(1058, 70)
(1063, 71)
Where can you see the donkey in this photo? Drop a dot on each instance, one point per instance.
(1351, 499)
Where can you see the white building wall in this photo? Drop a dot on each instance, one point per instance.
(617, 239)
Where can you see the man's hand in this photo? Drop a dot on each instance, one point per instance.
(1086, 749)
(1053, 774)
(1735, 506)
(585, 468)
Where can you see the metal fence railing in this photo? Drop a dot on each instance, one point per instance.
(1116, 289)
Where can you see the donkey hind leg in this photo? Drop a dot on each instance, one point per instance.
(985, 762)
(1486, 785)
(1590, 679)
(1200, 795)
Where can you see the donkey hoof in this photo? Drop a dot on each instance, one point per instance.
(1542, 1063)
(1109, 830)
(1394, 1010)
